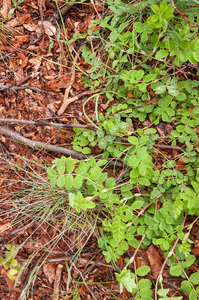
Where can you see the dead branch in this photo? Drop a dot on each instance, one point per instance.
(68, 152)
(17, 88)
(18, 137)
(44, 123)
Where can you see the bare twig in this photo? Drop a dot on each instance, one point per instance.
(159, 278)
(17, 88)
(44, 123)
(40, 4)
(175, 287)
(168, 147)
(66, 100)
(172, 2)
(92, 2)
(57, 282)
(20, 138)
(80, 273)
(68, 152)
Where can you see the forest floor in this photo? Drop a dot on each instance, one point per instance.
(32, 88)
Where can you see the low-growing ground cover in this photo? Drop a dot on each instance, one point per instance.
(126, 181)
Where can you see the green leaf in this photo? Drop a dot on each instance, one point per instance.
(118, 228)
(61, 180)
(143, 181)
(77, 148)
(126, 279)
(155, 8)
(61, 167)
(142, 271)
(133, 140)
(110, 182)
(137, 204)
(69, 182)
(192, 295)
(70, 165)
(51, 173)
(161, 54)
(12, 274)
(95, 173)
(186, 286)
(195, 278)
(161, 89)
(77, 182)
(102, 144)
(133, 161)
(86, 150)
(90, 204)
(139, 75)
(163, 292)
(196, 55)
(176, 270)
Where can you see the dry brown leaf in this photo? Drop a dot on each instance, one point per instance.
(36, 61)
(180, 164)
(30, 27)
(155, 260)
(10, 283)
(49, 271)
(49, 29)
(21, 38)
(7, 5)
(5, 226)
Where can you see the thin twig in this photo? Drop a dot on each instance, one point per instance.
(168, 147)
(66, 100)
(172, 2)
(44, 123)
(57, 282)
(17, 88)
(40, 4)
(159, 278)
(176, 288)
(80, 273)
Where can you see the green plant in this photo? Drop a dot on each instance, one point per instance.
(16, 3)
(10, 262)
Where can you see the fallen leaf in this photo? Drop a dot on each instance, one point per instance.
(30, 27)
(49, 271)
(7, 5)
(36, 61)
(10, 283)
(5, 226)
(155, 260)
(49, 29)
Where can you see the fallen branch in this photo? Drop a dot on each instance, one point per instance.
(17, 88)
(68, 152)
(44, 123)
(16, 136)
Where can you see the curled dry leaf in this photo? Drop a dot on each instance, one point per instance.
(49, 28)
(7, 5)
(49, 271)
(155, 260)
